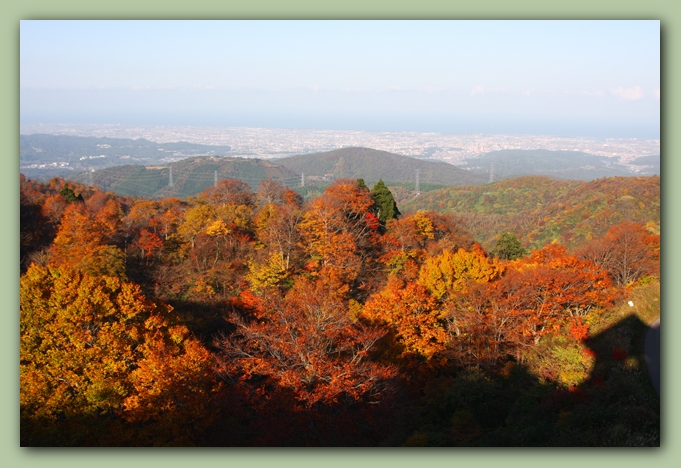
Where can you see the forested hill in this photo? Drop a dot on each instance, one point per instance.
(373, 165)
(241, 318)
(540, 210)
(189, 176)
(572, 165)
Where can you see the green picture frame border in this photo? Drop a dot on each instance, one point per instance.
(670, 16)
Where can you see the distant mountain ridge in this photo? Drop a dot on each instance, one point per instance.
(64, 154)
(373, 165)
(141, 167)
(568, 165)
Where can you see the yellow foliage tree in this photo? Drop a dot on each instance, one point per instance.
(271, 273)
(448, 272)
(92, 347)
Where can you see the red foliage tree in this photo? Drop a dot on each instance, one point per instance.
(306, 345)
(627, 252)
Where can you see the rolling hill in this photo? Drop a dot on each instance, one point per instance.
(569, 165)
(189, 176)
(373, 165)
(540, 210)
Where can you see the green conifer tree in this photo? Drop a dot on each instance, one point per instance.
(384, 203)
(508, 247)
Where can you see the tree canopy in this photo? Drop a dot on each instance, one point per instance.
(384, 203)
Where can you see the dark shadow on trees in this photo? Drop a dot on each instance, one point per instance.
(204, 319)
(509, 406)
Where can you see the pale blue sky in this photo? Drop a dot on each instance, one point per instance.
(591, 78)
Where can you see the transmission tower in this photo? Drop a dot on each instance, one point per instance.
(215, 183)
(417, 184)
(170, 179)
(491, 172)
(302, 179)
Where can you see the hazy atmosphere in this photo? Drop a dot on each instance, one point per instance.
(567, 78)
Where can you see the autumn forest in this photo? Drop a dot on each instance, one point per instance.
(250, 316)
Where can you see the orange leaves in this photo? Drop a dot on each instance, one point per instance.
(306, 343)
(627, 252)
(173, 378)
(548, 289)
(347, 197)
(335, 231)
(579, 331)
(411, 239)
(416, 316)
(476, 310)
(149, 243)
(78, 335)
(81, 243)
(95, 346)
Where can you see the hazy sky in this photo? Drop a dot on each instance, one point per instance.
(590, 78)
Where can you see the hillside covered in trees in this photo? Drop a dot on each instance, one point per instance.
(539, 210)
(247, 317)
(184, 178)
(374, 165)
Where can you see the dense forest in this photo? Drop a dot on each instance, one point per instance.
(249, 317)
(540, 210)
(184, 178)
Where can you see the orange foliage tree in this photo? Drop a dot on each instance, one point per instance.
(545, 291)
(412, 238)
(335, 232)
(304, 344)
(93, 346)
(417, 319)
(82, 241)
(627, 252)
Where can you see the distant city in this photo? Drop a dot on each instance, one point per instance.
(269, 143)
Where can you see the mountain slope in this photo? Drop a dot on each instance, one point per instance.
(540, 210)
(373, 165)
(44, 156)
(189, 176)
(571, 165)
